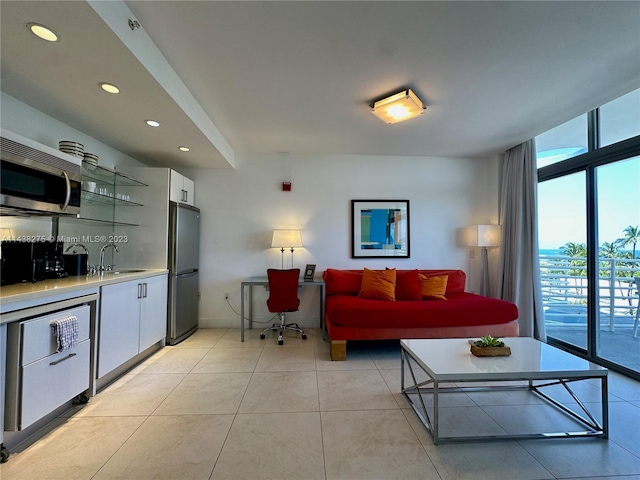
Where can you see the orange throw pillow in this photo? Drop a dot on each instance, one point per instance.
(433, 287)
(378, 284)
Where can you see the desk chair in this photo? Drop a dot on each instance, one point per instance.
(283, 297)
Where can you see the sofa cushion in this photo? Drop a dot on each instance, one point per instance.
(342, 282)
(433, 288)
(461, 309)
(378, 284)
(455, 283)
(407, 285)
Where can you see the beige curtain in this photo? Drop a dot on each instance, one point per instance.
(519, 263)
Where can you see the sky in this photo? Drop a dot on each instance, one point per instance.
(562, 205)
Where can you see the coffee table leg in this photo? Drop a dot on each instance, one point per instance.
(605, 407)
(436, 437)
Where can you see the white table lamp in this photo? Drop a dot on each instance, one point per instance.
(286, 239)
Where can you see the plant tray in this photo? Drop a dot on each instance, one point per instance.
(490, 351)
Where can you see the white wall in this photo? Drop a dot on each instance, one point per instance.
(241, 207)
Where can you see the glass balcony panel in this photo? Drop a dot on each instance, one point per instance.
(619, 239)
(563, 257)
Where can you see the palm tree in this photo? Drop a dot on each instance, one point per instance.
(609, 250)
(572, 249)
(578, 250)
(631, 236)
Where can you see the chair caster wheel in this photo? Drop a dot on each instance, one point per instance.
(262, 336)
(304, 336)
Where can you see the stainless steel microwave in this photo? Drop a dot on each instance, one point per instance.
(36, 179)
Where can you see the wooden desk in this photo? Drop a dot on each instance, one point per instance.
(264, 281)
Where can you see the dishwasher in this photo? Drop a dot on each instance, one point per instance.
(38, 378)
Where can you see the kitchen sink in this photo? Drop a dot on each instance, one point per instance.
(119, 271)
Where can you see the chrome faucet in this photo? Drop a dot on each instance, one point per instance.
(86, 250)
(104, 247)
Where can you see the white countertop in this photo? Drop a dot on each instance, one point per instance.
(18, 294)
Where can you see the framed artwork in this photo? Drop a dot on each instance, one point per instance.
(309, 272)
(380, 228)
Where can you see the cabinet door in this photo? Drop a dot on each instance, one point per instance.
(119, 325)
(153, 311)
(176, 187)
(189, 191)
(181, 189)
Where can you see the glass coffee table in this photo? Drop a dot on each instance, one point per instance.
(532, 366)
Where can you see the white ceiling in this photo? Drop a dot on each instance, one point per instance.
(237, 77)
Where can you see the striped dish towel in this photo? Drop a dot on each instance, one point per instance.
(66, 332)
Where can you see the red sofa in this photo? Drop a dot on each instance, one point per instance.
(461, 315)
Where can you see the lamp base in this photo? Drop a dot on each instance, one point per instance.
(484, 272)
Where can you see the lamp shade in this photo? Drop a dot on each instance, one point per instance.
(484, 236)
(286, 239)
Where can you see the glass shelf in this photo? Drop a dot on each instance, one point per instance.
(102, 201)
(93, 198)
(108, 176)
(97, 221)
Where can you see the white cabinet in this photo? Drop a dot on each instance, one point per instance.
(153, 311)
(133, 316)
(119, 324)
(182, 189)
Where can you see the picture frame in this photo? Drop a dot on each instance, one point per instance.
(380, 229)
(309, 272)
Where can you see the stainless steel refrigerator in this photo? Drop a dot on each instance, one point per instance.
(184, 248)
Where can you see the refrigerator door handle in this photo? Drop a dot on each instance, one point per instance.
(187, 274)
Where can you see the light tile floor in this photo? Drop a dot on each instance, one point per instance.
(215, 408)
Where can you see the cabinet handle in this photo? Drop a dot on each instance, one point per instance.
(63, 359)
(139, 290)
(144, 290)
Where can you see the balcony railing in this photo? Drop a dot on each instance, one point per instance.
(564, 290)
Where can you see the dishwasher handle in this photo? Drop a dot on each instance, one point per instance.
(63, 359)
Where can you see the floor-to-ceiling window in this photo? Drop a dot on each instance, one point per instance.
(589, 220)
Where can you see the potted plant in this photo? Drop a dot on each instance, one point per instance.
(489, 346)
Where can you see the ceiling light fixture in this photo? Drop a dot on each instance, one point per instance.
(152, 123)
(40, 31)
(109, 88)
(398, 107)
(184, 149)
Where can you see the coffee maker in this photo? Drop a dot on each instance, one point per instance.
(31, 261)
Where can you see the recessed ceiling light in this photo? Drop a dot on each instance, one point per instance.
(40, 31)
(109, 88)
(152, 123)
(184, 149)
